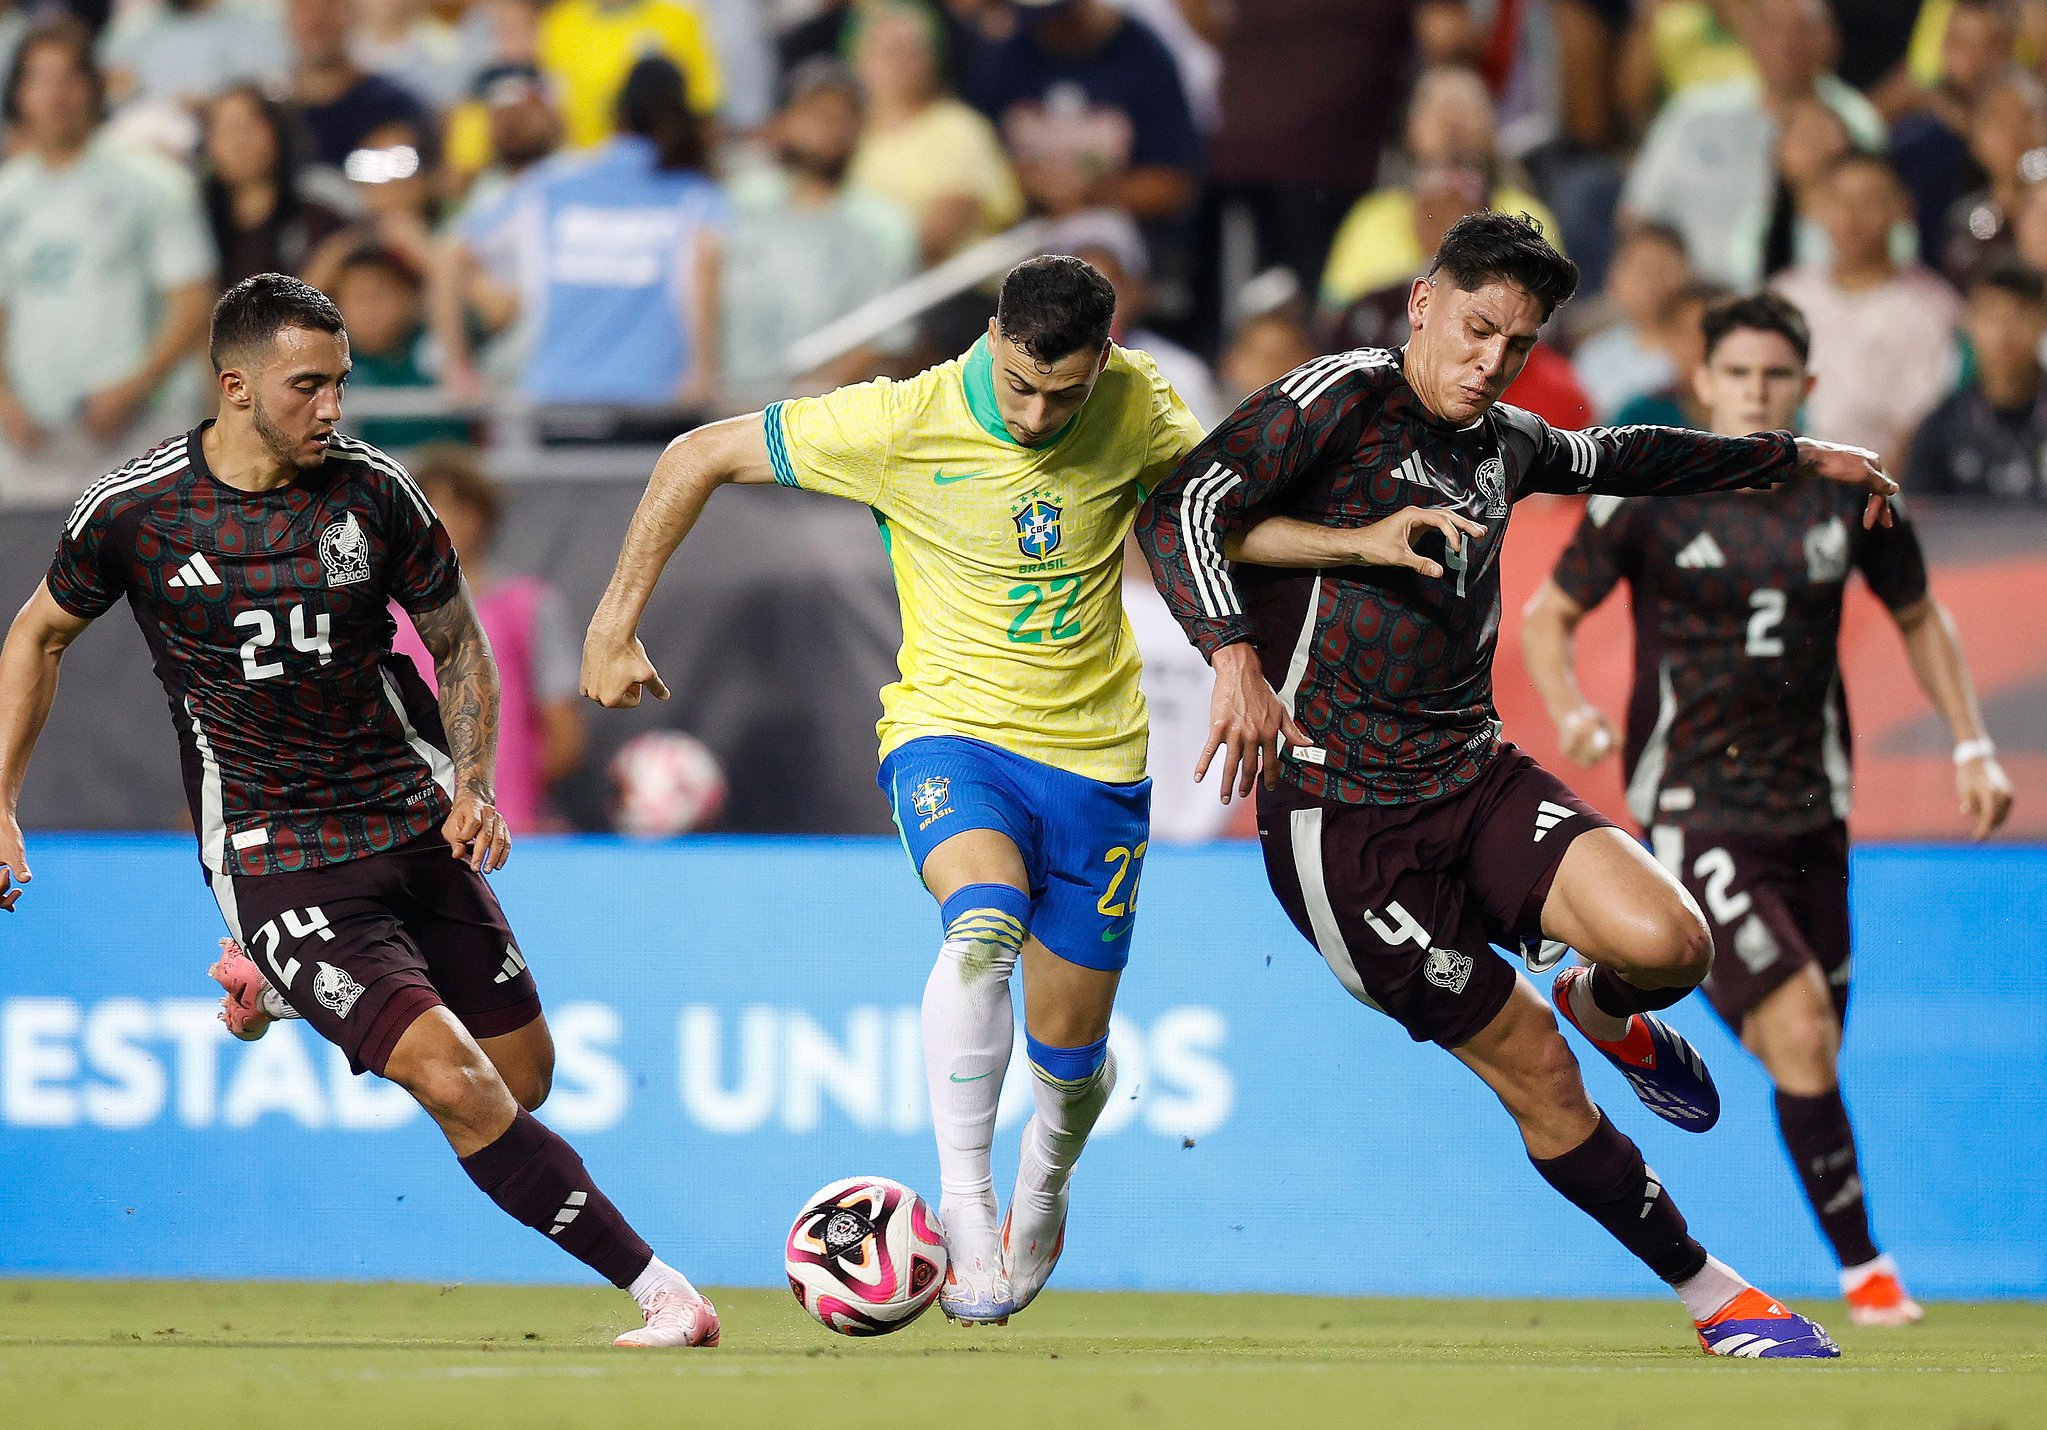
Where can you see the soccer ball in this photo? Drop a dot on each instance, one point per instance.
(865, 1256)
(666, 783)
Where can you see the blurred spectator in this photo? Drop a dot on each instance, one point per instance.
(1548, 388)
(807, 249)
(1883, 337)
(541, 734)
(1190, 30)
(1706, 167)
(1988, 438)
(1683, 328)
(519, 123)
(338, 105)
(616, 256)
(1636, 354)
(1267, 347)
(1390, 235)
(187, 51)
(2029, 228)
(1308, 102)
(264, 219)
(383, 304)
(1111, 242)
(590, 46)
(1679, 45)
(1811, 140)
(106, 276)
(1931, 145)
(1089, 103)
(747, 73)
(828, 34)
(396, 200)
(938, 158)
(406, 43)
(499, 37)
(2008, 141)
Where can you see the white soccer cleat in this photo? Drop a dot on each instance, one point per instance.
(976, 1290)
(674, 1319)
(1031, 1247)
(1876, 1297)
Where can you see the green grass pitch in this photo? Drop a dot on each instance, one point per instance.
(176, 1354)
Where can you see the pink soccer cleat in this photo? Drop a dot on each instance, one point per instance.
(242, 1008)
(674, 1319)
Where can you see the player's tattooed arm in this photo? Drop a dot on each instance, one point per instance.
(468, 676)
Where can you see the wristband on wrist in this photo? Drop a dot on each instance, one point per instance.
(1978, 749)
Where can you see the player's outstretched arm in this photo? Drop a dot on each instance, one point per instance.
(1935, 651)
(468, 677)
(1289, 541)
(1852, 467)
(615, 664)
(1549, 648)
(28, 683)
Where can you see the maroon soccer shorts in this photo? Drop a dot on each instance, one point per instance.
(1775, 906)
(1406, 902)
(361, 948)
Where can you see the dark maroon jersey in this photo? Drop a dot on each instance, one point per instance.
(304, 740)
(1390, 672)
(1736, 720)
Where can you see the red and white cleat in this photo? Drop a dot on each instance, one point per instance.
(674, 1319)
(1876, 1297)
(242, 1009)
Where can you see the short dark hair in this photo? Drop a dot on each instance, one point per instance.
(459, 467)
(1761, 313)
(377, 258)
(64, 32)
(257, 309)
(2016, 279)
(654, 103)
(1491, 247)
(1055, 306)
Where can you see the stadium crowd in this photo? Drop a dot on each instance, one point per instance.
(643, 204)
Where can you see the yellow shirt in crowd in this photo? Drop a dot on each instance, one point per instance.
(590, 48)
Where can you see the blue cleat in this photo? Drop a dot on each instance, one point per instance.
(1664, 1069)
(1754, 1326)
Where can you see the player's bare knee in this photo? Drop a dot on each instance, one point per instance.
(1675, 947)
(530, 1086)
(454, 1089)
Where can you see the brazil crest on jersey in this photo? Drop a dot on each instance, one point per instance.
(304, 740)
(1007, 558)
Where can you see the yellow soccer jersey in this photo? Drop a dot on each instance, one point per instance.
(1008, 559)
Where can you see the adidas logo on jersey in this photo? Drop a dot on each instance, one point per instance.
(195, 575)
(1700, 553)
(1548, 815)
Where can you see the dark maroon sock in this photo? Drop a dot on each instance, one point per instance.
(1822, 1147)
(538, 1179)
(1618, 998)
(1605, 1177)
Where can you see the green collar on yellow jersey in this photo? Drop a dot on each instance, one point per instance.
(978, 377)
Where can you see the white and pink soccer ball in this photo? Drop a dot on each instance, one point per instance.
(866, 1256)
(666, 783)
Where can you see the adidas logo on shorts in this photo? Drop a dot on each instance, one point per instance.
(515, 964)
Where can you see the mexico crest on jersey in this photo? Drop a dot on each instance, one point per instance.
(1826, 552)
(1038, 528)
(345, 552)
(1492, 485)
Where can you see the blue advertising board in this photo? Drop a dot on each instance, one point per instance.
(737, 1025)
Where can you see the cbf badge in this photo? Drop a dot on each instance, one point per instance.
(932, 800)
(1037, 528)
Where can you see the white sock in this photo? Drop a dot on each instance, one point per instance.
(969, 1029)
(1708, 1293)
(659, 1274)
(1595, 1020)
(1053, 1138)
(272, 1002)
(1852, 1277)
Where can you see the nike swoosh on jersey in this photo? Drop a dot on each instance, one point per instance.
(939, 477)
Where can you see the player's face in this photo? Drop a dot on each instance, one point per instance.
(1037, 399)
(1468, 348)
(295, 398)
(1753, 382)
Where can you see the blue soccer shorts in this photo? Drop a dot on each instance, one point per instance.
(1082, 841)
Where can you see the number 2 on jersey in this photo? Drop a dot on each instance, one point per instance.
(311, 641)
(1769, 611)
(1063, 628)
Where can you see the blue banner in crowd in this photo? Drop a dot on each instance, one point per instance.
(737, 1025)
